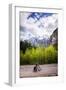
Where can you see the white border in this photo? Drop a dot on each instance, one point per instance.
(15, 50)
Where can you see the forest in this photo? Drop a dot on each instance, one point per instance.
(30, 55)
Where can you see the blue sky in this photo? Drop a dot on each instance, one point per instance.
(37, 15)
(37, 24)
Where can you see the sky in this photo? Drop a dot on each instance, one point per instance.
(37, 24)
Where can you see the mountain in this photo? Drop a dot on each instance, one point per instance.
(54, 37)
(36, 41)
(26, 35)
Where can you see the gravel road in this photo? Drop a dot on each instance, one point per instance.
(46, 70)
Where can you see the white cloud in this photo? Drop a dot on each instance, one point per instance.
(47, 24)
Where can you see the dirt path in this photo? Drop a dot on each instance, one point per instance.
(47, 70)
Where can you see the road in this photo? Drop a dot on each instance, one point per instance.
(46, 70)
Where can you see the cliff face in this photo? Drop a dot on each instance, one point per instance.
(54, 37)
